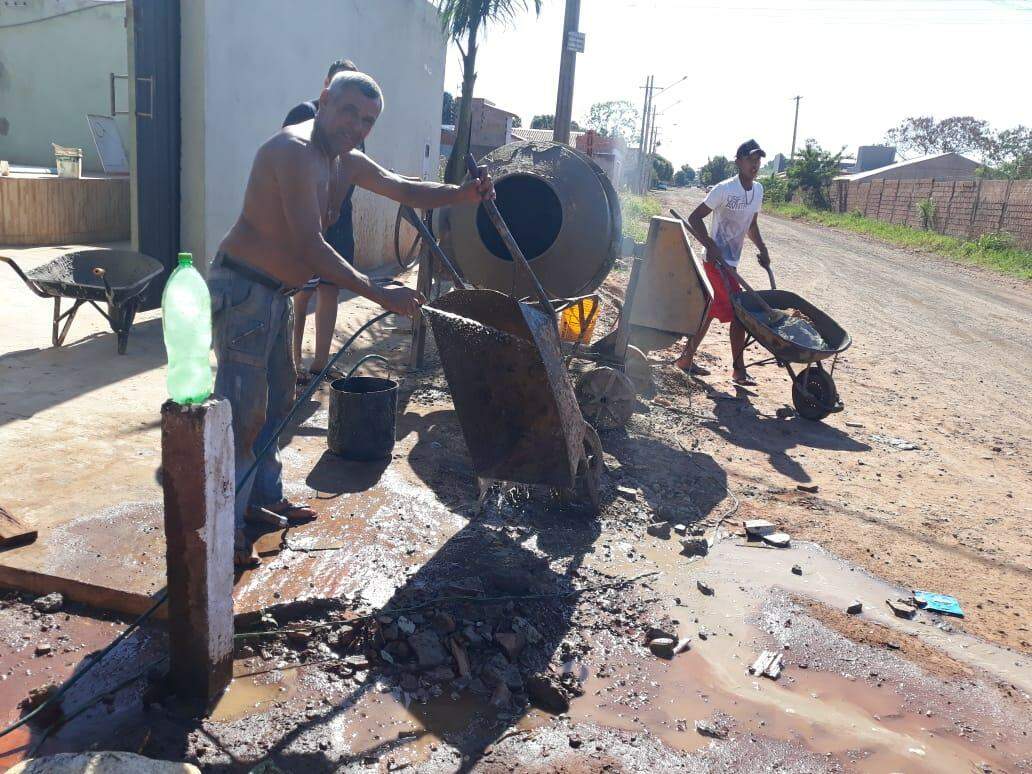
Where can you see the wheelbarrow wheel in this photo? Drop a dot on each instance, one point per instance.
(606, 397)
(638, 370)
(589, 469)
(822, 395)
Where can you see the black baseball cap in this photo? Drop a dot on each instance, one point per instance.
(748, 148)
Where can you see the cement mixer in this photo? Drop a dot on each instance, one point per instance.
(564, 213)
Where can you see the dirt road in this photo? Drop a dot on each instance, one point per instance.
(941, 359)
(417, 625)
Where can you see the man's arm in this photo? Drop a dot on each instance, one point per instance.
(296, 172)
(754, 234)
(698, 228)
(366, 173)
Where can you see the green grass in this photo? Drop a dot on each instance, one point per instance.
(637, 212)
(993, 251)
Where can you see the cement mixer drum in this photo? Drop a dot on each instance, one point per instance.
(563, 212)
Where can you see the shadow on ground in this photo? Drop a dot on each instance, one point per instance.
(59, 374)
(739, 423)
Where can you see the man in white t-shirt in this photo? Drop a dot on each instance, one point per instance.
(735, 204)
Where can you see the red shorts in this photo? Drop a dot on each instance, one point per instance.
(721, 308)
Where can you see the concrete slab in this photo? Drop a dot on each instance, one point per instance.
(80, 448)
(369, 513)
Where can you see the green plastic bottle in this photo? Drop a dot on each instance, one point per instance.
(186, 322)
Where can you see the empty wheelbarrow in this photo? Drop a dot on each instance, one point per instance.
(118, 277)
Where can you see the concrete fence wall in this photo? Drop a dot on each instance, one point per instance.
(963, 208)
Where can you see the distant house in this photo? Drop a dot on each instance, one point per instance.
(776, 165)
(607, 152)
(542, 135)
(941, 166)
(870, 157)
(490, 128)
(447, 139)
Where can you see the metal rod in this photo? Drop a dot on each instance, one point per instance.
(416, 222)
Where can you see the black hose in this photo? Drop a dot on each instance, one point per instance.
(312, 387)
(163, 596)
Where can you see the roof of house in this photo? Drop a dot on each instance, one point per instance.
(493, 106)
(541, 135)
(903, 164)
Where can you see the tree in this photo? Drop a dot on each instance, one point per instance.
(463, 20)
(448, 108)
(684, 176)
(548, 122)
(957, 134)
(517, 122)
(811, 171)
(662, 167)
(1012, 157)
(716, 169)
(617, 118)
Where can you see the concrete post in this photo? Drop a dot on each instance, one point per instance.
(198, 479)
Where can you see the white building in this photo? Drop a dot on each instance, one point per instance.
(204, 83)
(245, 64)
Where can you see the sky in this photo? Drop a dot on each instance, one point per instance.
(861, 66)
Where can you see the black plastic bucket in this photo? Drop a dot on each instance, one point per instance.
(362, 417)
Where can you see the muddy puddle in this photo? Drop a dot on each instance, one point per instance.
(881, 724)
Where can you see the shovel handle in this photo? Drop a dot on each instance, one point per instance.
(510, 243)
(724, 265)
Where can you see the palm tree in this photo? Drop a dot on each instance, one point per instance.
(464, 19)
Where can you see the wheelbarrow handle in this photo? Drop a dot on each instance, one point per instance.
(724, 265)
(17, 270)
(417, 223)
(510, 243)
(102, 275)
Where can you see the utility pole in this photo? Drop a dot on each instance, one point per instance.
(573, 43)
(643, 144)
(795, 126)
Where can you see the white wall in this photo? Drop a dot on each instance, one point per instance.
(56, 58)
(244, 65)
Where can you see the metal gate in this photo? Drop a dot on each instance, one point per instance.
(156, 43)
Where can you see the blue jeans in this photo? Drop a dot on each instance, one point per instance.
(252, 324)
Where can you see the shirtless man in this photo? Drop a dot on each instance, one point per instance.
(297, 182)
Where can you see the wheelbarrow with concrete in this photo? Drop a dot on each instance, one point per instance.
(794, 332)
(94, 276)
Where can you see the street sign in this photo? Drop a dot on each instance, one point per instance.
(575, 42)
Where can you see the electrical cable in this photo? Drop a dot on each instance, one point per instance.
(96, 4)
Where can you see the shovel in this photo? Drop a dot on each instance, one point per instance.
(774, 316)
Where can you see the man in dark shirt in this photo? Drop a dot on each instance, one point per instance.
(341, 238)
